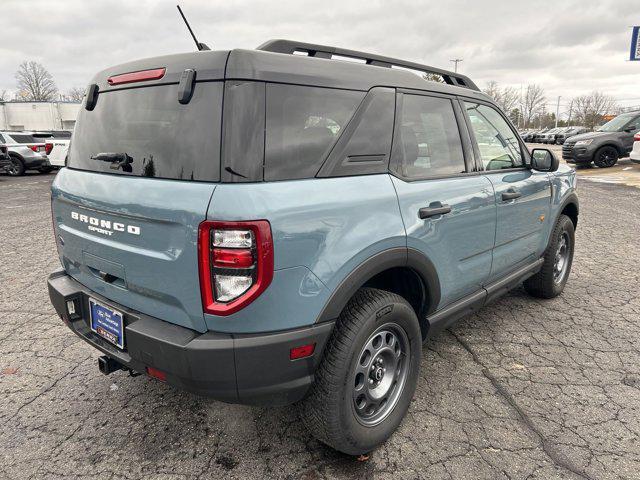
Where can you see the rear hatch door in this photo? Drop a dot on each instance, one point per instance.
(128, 229)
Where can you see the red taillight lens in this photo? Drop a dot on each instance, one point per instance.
(235, 263)
(33, 147)
(636, 137)
(158, 374)
(48, 147)
(302, 352)
(140, 76)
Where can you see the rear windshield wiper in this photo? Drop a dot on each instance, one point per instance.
(117, 160)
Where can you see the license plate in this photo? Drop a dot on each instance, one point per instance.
(107, 322)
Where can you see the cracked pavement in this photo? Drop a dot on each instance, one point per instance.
(526, 388)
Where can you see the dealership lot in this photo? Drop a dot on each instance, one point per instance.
(523, 389)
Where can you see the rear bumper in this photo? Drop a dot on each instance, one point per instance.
(250, 369)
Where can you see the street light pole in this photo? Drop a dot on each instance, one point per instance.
(455, 62)
(557, 110)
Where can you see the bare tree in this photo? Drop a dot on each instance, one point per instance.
(590, 109)
(74, 94)
(35, 82)
(506, 98)
(532, 103)
(433, 77)
(3, 96)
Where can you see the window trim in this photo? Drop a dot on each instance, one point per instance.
(467, 152)
(526, 157)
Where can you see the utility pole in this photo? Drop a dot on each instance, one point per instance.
(455, 61)
(557, 110)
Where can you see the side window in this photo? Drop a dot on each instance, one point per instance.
(428, 142)
(497, 142)
(2, 140)
(302, 124)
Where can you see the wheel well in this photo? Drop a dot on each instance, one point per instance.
(17, 156)
(613, 145)
(405, 282)
(571, 211)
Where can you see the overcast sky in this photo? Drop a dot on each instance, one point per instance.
(567, 47)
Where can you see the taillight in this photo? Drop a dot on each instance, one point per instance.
(636, 137)
(140, 76)
(235, 262)
(48, 147)
(33, 147)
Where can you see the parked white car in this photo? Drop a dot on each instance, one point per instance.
(635, 153)
(60, 141)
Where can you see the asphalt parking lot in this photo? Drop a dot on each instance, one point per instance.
(523, 389)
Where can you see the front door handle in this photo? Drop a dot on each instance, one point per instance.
(428, 212)
(510, 194)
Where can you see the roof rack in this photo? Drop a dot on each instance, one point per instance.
(323, 51)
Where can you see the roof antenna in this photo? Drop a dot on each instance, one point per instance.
(199, 46)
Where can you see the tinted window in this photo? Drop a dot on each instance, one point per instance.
(21, 138)
(429, 140)
(498, 143)
(164, 138)
(302, 124)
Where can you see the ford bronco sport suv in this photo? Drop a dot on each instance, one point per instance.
(269, 228)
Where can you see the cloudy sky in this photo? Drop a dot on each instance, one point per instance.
(567, 47)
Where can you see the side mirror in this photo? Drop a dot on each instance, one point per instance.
(544, 160)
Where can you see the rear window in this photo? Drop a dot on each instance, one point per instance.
(302, 124)
(164, 138)
(22, 138)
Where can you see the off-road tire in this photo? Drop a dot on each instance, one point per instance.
(328, 410)
(17, 166)
(543, 284)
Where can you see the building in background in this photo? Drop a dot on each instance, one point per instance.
(16, 115)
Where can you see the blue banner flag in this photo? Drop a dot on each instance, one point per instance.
(635, 44)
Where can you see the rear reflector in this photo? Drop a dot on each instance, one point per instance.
(302, 352)
(158, 374)
(141, 76)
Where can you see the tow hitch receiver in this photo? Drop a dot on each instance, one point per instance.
(109, 365)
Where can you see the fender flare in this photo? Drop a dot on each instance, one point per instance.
(570, 198)
(378, 263)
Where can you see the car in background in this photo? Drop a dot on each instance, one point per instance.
(606, 144)
(537, 138)
(529, 136)
(5, 161)
(26, 153)
(569, 132)
(550, 136)
(635, 153)
(60, 140)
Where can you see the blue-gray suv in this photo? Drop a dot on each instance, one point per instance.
(278, 226)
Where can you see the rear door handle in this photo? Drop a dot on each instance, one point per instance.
(510, 194)
(428, 212)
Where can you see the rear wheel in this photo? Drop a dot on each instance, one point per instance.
(606, 157)
(368, 374)
(549, 282)
(16, 168)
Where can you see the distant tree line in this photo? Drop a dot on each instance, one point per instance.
(528, 108)
(35, 83)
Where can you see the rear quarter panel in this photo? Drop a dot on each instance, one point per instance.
(322, 229)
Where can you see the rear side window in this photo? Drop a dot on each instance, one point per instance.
(164, 138)
(429, 141)
(21, 138)
(498, 143)
(302, 124)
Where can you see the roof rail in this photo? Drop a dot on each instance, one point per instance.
(323, 51)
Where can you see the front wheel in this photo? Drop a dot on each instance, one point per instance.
(606, 157)
(549, 282)
(367, 377)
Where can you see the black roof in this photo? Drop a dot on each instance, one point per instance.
(274, 61)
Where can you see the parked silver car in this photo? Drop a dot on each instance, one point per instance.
(26, 153)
